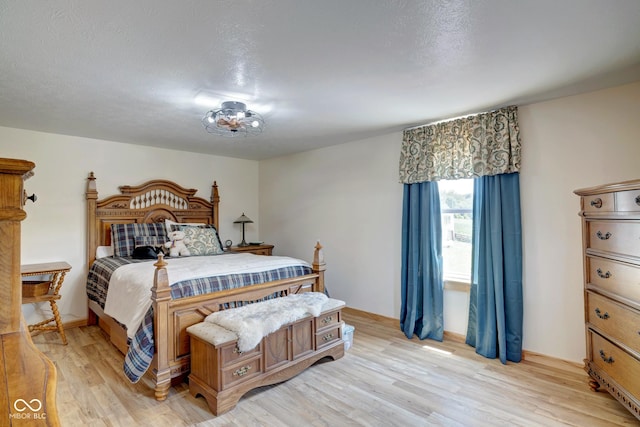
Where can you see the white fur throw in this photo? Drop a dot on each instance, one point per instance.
(254, 321)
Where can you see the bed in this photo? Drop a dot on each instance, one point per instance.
(160, 345)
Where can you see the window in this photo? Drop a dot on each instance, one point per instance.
(456, 205)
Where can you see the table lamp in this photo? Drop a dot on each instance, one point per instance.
(243, 220)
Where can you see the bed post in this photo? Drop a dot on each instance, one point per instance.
(160, 298)
(92, 197)
(215, 199)
(319, 267)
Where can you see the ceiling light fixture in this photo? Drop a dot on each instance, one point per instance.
(233, 119)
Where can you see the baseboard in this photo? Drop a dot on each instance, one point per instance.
(453, 336)
(74, 324)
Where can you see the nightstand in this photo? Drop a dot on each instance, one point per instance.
(256, 249)
(56, 272)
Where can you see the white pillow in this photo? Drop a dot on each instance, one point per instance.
(104, 251)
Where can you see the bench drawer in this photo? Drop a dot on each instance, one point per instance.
(241, 372)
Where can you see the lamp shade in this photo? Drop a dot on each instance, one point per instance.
(243, 219)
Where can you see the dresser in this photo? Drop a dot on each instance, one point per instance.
(611, 249)
(27, 376)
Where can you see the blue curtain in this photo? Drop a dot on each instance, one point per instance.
(495, 309)
(421, 281)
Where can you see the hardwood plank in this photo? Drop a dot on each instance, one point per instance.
(384, 379)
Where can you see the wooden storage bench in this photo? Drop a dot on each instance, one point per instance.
(222, 374)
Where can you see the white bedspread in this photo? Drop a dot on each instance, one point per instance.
(129, 295)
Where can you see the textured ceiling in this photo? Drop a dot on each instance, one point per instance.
(321, 72)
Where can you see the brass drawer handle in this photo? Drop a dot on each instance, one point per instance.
(604, 316)
(606, 359)
(242, 371)
(327, 337)
(603, 236)
(597, 203)
(603, 275)
(327, 319)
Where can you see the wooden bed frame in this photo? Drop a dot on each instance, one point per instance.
(155, 201)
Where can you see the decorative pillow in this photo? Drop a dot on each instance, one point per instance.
(123, 236)
(173, 226)
(202, 240)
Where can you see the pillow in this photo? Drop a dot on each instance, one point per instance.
(155, 241)
(202, 240)
(123, 236)
(104, 251)
(173, 226)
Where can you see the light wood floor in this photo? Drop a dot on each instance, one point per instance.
(384, 380)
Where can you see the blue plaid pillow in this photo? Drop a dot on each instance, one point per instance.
(123, 236)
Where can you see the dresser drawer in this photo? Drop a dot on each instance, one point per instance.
(599, 203)
(616, 237)
(616, 362)
(628, 201)
(614, 277)
(615, 320)
(241, 372)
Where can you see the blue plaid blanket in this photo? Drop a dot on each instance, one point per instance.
(142, 346)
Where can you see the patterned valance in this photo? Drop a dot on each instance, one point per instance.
(474, 146)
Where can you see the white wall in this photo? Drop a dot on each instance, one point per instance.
(348, 197)
(55, 225)
(568, 143)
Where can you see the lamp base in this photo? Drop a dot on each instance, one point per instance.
(243, 244)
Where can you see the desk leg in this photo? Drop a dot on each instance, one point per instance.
(56, 316)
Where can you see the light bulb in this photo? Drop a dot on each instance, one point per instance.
(255, 123)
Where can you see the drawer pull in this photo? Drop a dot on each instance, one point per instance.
(604, 316)
(327, 319)
(606, 359)
(597, 203)
(638, 200)
(327, 337)
(603, 275)
(603, 236)
(244, 370)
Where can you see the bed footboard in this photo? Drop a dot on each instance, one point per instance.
(171, 362)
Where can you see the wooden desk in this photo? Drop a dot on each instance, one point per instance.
(56, 271)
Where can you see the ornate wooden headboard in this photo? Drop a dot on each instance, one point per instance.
(153, 201)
